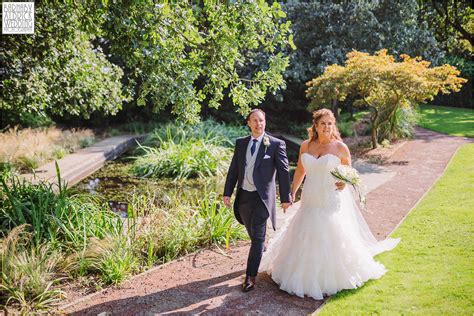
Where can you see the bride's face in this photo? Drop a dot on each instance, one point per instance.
(325, 127)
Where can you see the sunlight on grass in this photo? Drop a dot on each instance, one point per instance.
(447, 120)
(431, 270)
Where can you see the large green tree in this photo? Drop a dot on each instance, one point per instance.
(57, 69)
(180, 55)
(185, 55)
(325, 31)
(452, 22)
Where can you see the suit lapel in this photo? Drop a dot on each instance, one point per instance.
(243, 151)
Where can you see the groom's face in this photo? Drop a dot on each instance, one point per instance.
(256, 122)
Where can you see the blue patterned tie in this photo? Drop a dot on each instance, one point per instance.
(252, 149)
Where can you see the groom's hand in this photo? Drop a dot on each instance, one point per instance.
(285, 206)
(226, 200)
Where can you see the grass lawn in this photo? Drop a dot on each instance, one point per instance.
(431, 271)
(447, 120)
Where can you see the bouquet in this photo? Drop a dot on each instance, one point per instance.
(350, 176)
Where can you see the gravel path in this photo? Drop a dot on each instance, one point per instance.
(208, 282)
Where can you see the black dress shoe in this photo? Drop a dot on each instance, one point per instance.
(249, 283)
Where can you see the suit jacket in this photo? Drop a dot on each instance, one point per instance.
(264, 174)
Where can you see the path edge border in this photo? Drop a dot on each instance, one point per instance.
(161, 266)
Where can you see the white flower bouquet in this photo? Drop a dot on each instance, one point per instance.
(350, 176)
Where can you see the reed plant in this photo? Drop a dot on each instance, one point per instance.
(183, 151)
(112, 258)
(216, 222)
(184, 159)
(28, 273)
(210, 131)
(53, 215)
(171, 230)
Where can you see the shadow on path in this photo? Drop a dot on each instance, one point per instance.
(218, 295)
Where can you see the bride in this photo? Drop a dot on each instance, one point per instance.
(326, 245)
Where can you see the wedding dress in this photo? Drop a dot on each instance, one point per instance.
(324, 246)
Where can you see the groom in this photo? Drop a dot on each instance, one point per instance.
(257, 160)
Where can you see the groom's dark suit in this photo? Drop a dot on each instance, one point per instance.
(253, 208)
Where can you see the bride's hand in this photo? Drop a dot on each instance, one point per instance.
(293, 197)
(340, 186)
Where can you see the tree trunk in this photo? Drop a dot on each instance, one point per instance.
(374, 137)
(374, 127)
(335, 109)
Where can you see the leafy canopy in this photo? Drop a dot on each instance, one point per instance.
(452, 22)
(93, 56)
(325, 31)
(183, 55)
(57, 69)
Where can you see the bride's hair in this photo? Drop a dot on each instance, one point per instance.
(317, 115)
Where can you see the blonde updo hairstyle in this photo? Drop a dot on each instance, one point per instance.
(317, 115)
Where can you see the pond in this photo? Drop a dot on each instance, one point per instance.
(116, 184)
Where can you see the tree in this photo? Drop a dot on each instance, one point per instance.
(452, 21)
(325, 31)
(184, 54)
(384, 85)
(57, 69)
(92, 56)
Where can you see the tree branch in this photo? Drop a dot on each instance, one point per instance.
(456, 24)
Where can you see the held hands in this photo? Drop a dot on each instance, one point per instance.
(285, 206)
(226, 200)
(340, 185)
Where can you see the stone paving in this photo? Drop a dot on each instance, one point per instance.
(79, 165)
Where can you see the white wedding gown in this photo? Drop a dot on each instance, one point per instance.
(324, 246)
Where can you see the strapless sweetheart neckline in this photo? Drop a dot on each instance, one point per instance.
(320, 157)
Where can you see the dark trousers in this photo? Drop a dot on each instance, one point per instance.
(254, 214)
